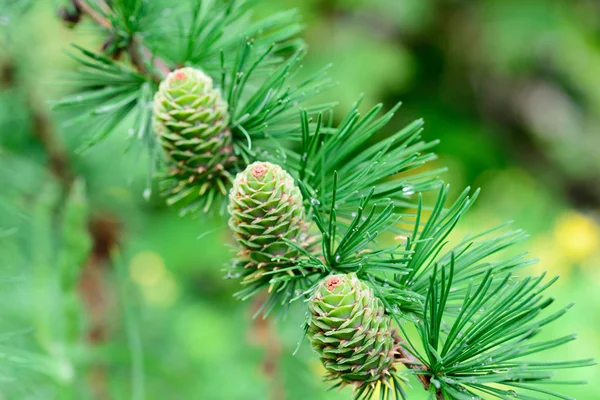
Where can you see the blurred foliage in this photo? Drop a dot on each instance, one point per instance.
(509, 86)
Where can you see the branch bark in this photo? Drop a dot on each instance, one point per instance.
(97, 294)
(58, 160)
(41, 126)
(263, 334)
(85, 8)
(410, 362)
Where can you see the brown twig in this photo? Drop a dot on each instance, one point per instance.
(263, 334)
(41, 126)
(410, 362)
(139, 54)
(158, 62)
(97, 294)
(92, 13)
(58, 159)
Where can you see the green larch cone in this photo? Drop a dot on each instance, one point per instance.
(265, 207)
(191, 120)
(350, 331)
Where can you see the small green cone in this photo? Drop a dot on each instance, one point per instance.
(191, 119)
(265, 207)
(350, 331)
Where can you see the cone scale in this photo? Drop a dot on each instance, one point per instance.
(351, 333)
(191, 120)
(265, 208)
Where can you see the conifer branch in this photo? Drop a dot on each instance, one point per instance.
(139, 54)
(350, 190)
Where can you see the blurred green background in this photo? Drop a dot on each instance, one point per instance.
(511, 87)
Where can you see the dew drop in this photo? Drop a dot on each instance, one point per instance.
(408, 190)
(233, 275)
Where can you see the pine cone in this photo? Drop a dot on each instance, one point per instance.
(265, 206)
(350, 331)
(191, 120)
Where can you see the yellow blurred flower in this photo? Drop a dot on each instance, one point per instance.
(552, 259)
(147, 269)
(577, 235)
(591, 268)
(162, 294)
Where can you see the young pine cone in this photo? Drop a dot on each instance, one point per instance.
(350, 331)
(265, 207)
(191, 120)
